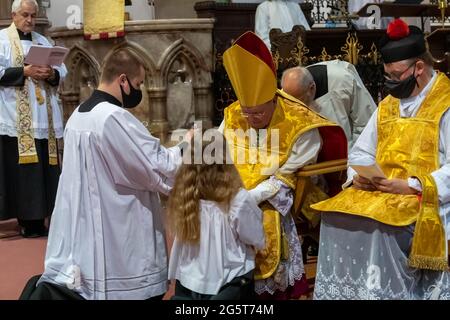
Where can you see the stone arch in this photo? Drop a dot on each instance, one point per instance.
(191, 56)
(141, 52)
(79, 61)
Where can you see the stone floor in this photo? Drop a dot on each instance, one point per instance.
(20, 259)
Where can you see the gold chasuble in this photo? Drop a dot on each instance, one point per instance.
(407, 147)
(258, 159)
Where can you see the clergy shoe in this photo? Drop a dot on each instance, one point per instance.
(34, 233)
(313, 250)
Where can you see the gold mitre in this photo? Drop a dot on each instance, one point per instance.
(250, 67)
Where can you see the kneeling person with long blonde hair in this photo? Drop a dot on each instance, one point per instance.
(217, 227)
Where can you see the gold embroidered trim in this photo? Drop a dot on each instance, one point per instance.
(25, 130)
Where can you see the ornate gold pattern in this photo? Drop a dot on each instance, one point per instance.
(267, 260)
(324, 56)
(25, 130)
(291, 119)
(352, 48)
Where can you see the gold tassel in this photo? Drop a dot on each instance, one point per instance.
(39, 97)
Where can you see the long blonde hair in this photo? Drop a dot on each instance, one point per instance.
(219, 182)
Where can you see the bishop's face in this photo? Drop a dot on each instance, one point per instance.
(25, 18)
(259, 117)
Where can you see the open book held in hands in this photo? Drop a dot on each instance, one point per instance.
(369, 172)
(46, 56)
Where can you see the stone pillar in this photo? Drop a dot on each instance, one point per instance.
(5, 13)
(70, 101)
(151, 4)
(159, 125)
(203, 102)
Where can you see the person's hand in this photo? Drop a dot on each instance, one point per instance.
(189, 135)
(51, 73)
(361, 183)
(395, 186)
(38, 72)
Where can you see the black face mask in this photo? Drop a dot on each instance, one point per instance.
(133, 99)
(401, 89)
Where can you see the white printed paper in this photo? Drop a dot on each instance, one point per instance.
(46, 56)
(369, 172)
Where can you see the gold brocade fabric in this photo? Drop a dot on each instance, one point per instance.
(267, 260)
(407, 147)
(256, 164)
(52, 144)
(25, 130)
(258, 160)
(103, 19)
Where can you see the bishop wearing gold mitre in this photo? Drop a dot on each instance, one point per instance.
(271, 135)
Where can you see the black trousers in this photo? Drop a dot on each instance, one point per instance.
(240, 288)
(47, 291)
(27, 191)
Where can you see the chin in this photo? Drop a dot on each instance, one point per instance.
(257, 125)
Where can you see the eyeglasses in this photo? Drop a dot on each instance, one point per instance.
(397, 76)
(253, 114)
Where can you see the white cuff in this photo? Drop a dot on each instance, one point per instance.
(263, 191)
(350, 174)
(415, 184)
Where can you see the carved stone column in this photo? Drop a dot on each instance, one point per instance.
(70, 101)
(203, 103)
(151, 4)
(159, 125)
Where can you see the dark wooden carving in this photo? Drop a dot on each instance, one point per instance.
(319, 44)
(286, 47)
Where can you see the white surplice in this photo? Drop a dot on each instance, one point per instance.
(107, 236)
(347, 102)
(304, 151)
(225, 250)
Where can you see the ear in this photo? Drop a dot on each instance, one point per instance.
(312, 88)
(420, 67)
(122, 79)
